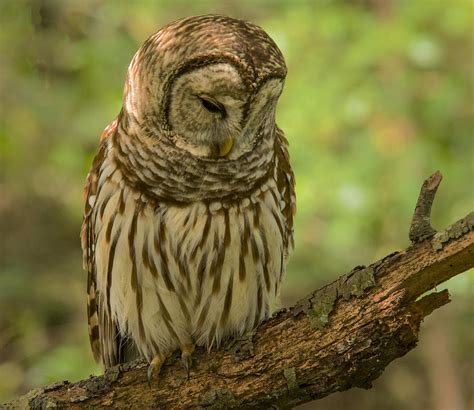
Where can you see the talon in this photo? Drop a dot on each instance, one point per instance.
(154, 369)
(186, 357)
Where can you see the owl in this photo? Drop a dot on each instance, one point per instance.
(190, 200)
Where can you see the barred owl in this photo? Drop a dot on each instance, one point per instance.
(190, 200)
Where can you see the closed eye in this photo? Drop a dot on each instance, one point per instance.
(213, 106)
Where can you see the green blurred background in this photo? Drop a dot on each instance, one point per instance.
(379, 94)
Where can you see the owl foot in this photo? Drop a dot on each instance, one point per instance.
(154, 369)
(186, 359)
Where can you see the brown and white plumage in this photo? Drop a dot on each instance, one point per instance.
(185, 241)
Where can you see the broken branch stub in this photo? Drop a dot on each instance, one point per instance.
(420, 228)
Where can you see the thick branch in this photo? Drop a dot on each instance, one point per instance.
(342, 335)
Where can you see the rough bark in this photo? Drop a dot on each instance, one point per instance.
(340, 336)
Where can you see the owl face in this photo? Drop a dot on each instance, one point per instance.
(213, 114)
(209, 84)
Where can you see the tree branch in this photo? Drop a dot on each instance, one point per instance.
(342, 335)
(421, 228)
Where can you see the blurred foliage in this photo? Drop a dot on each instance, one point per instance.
(379, 94)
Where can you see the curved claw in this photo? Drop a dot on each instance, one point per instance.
(186, 357)
(154, 369)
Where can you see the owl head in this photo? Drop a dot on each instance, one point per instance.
(209, 84)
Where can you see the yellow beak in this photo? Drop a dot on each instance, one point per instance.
(225, 147)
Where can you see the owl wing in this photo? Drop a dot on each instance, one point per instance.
(285, 180)
(104, 336)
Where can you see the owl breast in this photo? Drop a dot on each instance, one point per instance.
(173, 274)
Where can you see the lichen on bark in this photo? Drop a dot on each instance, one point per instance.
(321, 303)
